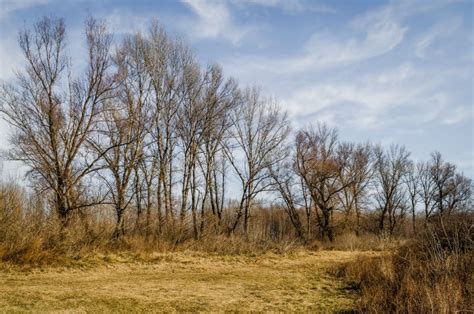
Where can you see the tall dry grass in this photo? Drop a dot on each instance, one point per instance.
(431, 274)
(31, 234)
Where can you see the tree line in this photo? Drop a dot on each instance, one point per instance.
(144, 128)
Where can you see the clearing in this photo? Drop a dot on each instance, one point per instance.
(183, 281)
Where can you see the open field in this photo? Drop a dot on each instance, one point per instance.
(188, 281)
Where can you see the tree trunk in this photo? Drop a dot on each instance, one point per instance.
(120, 224)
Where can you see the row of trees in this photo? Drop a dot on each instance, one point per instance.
(326, 175)
(146, 128)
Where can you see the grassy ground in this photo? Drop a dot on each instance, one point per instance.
(186, 281)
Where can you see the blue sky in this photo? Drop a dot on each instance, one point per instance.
(383, 71)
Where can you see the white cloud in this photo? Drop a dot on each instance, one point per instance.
(379, 37)
(376, 35)
(292, 6)
(401, 95)
(126, 22)
(215, 21)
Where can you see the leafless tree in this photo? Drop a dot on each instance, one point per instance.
(190, 133)
(442, 173)
(442, 189)
(285, 183)
(450, 188)
(358, 173)
(258, 133)
(54, 114)
(322, 163)
(426, 189)
(165, 60)
(220, 98)
(390, 169)
(460, 191)
(123, 128)
(412, 181)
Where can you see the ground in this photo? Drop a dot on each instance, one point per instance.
(184, 281)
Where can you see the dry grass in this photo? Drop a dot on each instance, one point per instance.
(433, 273)
(182, 281)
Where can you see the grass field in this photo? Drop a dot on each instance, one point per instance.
(187, 281)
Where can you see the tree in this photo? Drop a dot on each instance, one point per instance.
(259, 133)
(323, 164)
(285, 184)
(165, 63)
(412, 181)
(358, 173)
(54, 114)
(426, 189)
(450, 188)
(459, 195)
(390, 169)
(220, 98)
(442, 173)
(190, 129)
(123, 128)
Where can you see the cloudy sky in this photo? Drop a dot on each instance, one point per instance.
(384, 71)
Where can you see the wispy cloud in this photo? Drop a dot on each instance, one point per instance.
(332, 78)
(214, 20)
(121, 21)
(362, 40)
(292, 6)
(383, 97)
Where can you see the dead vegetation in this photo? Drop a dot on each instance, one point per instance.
(186, 281)
(430, 274)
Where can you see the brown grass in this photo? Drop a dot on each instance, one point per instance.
(431, 274)
(186, 281)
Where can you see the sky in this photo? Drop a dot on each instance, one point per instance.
(380, 71)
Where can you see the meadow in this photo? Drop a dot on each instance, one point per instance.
(185, 282)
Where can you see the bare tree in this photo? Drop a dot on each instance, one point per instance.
(190, 133)
(460, 191)
(166, 60)
(390, 170)
(286, 185)
(54, 114)
(322, 163)
(450, 188)
(220, 98)
(442, 173)
(412, 181)
(123, 128)
(258, 133)
(358, 175)
(426, 189)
